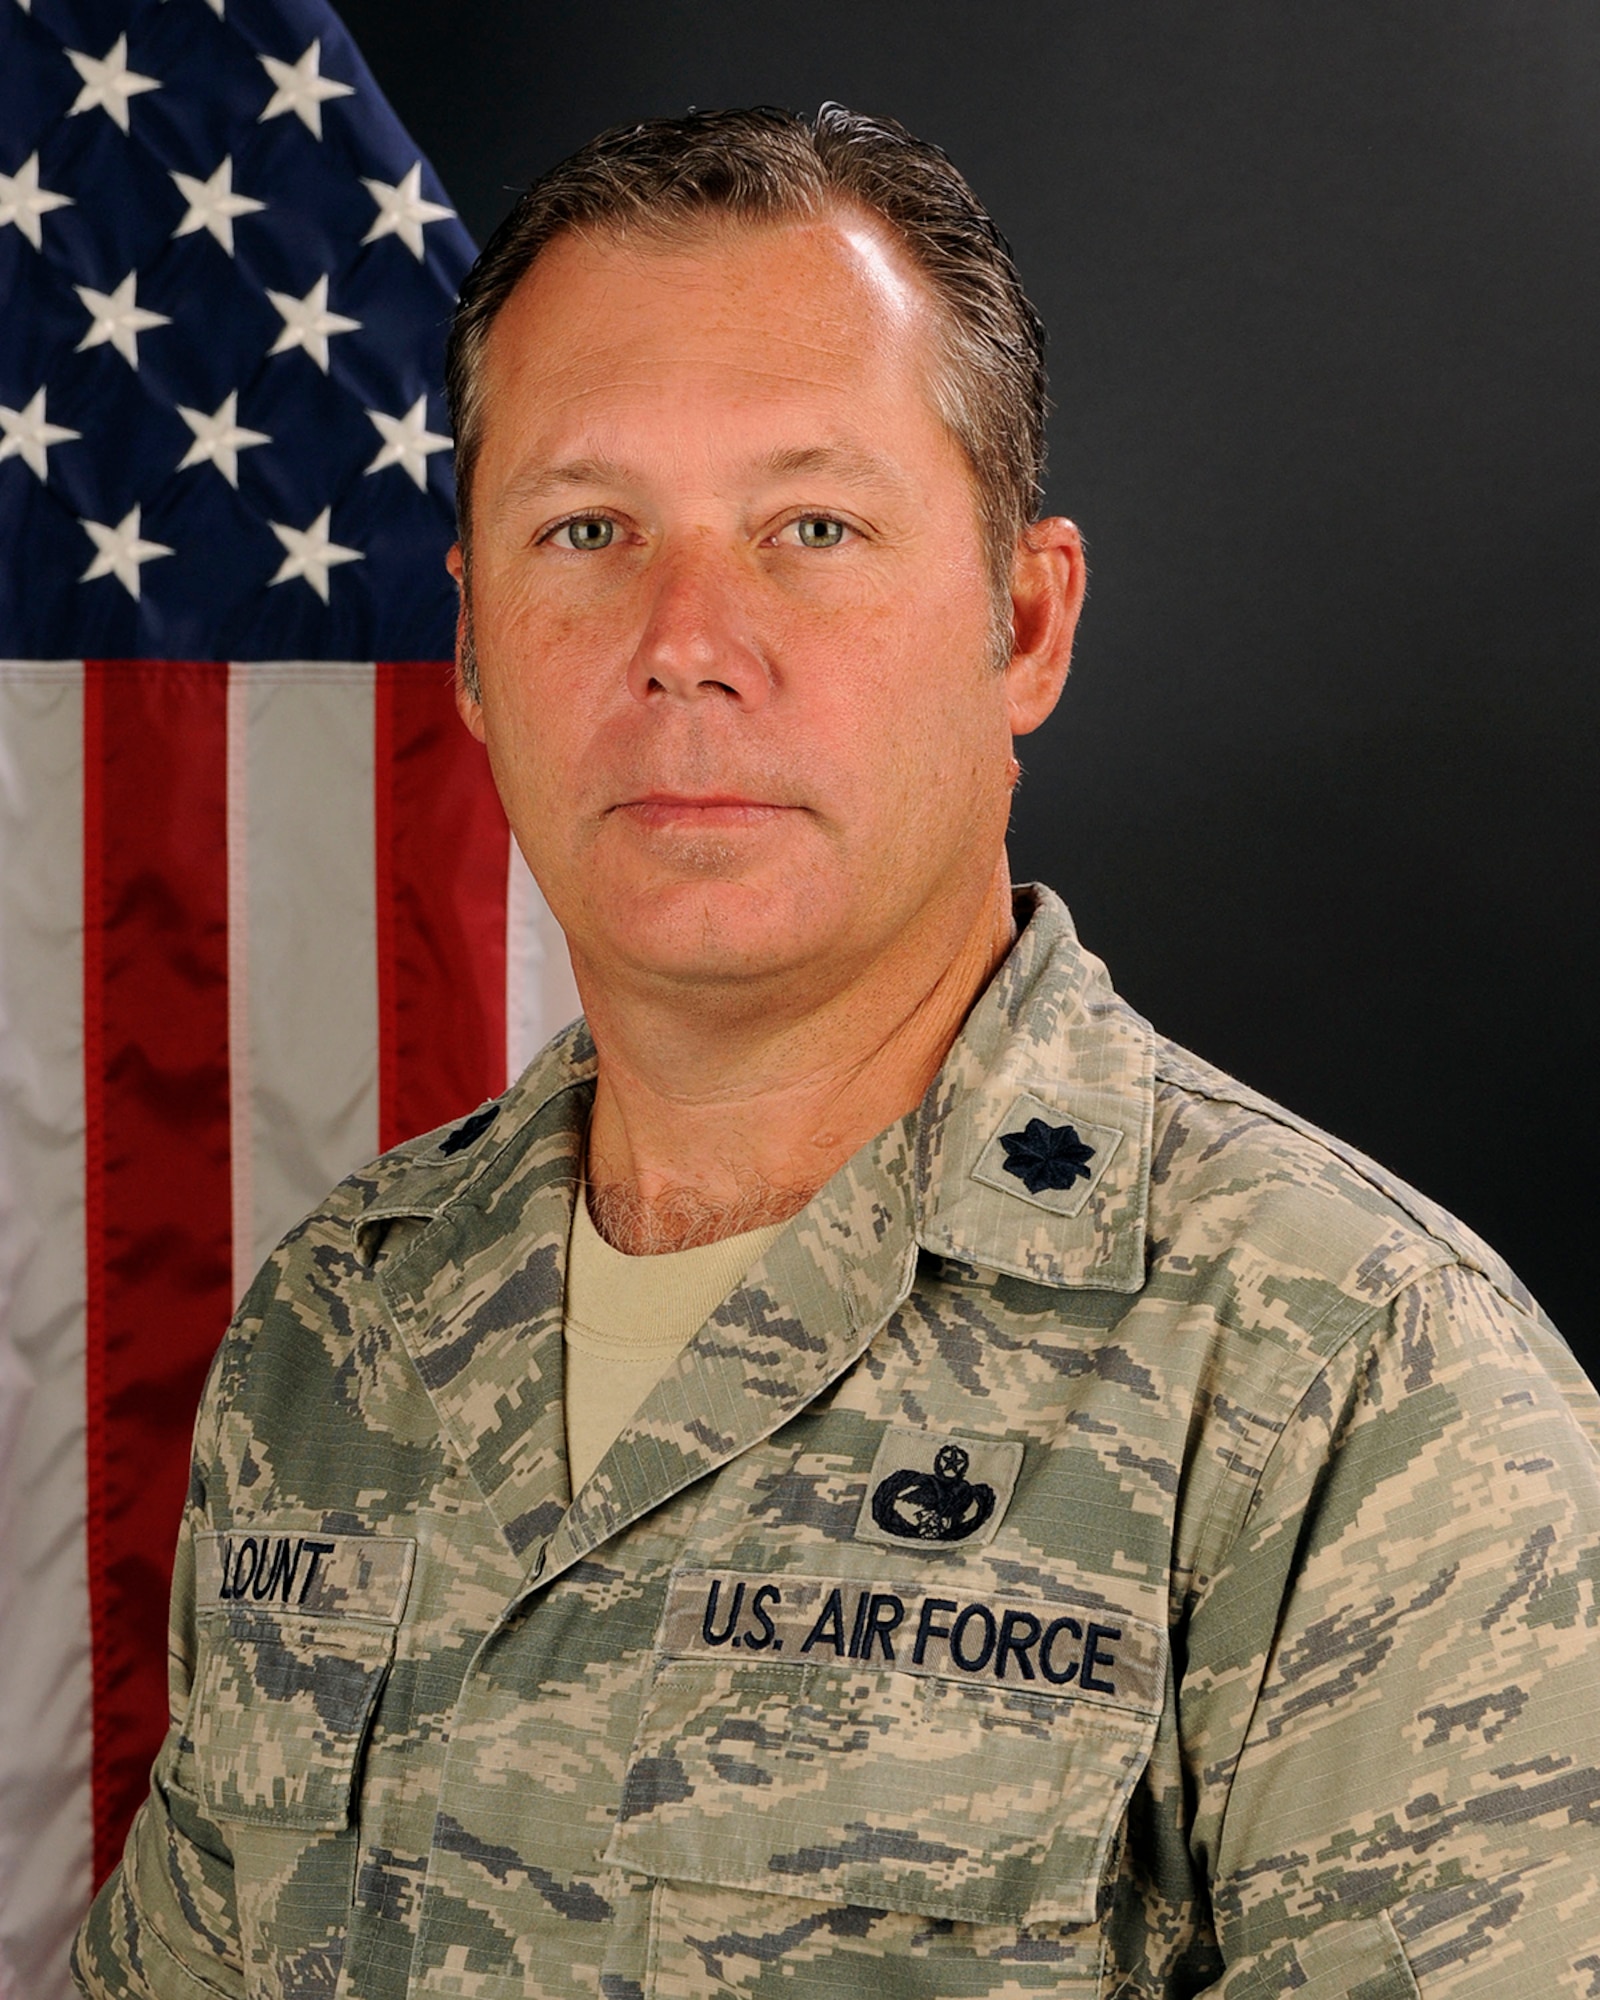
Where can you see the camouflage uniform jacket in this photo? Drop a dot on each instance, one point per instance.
(1116, 1542)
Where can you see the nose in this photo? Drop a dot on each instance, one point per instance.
(696, 640)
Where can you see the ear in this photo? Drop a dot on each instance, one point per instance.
(468, 707)
(1047, 585)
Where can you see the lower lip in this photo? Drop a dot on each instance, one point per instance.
(700, 813)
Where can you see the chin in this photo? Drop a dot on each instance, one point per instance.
(711, 932)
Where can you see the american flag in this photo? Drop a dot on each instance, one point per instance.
(259, 910)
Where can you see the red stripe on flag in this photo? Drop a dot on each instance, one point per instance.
(159, 1253)
(442, 848)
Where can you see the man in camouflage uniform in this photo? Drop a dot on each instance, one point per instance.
(1113, 1541)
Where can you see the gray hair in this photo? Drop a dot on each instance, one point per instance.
(663, 178)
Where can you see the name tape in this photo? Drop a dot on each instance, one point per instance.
(319, 1576)
(1099, 1655)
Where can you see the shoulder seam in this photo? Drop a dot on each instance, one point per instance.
(1198, 1079)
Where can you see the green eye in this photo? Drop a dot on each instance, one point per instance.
(590, 534)
(816, 531)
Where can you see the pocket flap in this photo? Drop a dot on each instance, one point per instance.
(916, 1776)
(1360, 1959)
(281, 1708)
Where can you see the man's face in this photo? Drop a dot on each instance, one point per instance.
(731, 612)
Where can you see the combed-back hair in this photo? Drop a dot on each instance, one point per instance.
(664, 178)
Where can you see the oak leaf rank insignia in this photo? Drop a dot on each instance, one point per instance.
(1046, 1156)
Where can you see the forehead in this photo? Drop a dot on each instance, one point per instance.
(825, 309)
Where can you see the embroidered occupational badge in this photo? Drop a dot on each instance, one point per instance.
(937, 1492)
(944, 1506)
(1046, 1156)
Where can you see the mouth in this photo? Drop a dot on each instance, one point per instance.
(691, 811)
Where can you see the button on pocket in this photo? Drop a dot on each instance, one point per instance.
(281, 1707)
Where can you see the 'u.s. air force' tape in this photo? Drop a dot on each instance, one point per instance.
(1080, 1654)
(318, 1576)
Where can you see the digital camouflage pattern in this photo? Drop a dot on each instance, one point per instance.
(1267, 1665)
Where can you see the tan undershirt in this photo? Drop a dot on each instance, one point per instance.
(628, 1317)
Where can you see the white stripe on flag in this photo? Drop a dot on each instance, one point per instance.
(45, 1688)
(241, 1097)
(540, 994)
(303, 942)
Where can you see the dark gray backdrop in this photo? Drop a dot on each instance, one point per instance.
(1324, 300)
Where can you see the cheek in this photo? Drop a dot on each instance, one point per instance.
(535, 606)
(535, 731)
(525, 643)
(537, 668)
(929, 782)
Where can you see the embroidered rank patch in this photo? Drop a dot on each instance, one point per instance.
(939, 1631)
(929, 1491)
(317, 1576)
(1046, 1155)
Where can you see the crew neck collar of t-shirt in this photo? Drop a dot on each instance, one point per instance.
(634, 1304)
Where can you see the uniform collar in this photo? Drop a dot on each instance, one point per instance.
(468, 1243)
(802, 1315)
(1048, 1038)
(1048, 1046)
(478, 1216)
(419, 1180)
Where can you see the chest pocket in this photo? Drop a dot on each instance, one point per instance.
(296, 1639)
(281, 1710)
(919, 1754)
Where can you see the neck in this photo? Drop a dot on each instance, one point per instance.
(707, 1123)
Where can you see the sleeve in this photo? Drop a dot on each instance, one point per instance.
(1390, 1704)
(164, 1925)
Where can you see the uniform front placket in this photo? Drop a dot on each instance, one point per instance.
(576, 1641)
(471, 1280)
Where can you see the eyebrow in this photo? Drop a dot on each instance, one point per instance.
(844, 461)
(852, 463)
(539, 481)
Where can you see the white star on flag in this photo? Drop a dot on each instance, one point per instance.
(121, 550)
(311, 553)
(116, 317)
(407, 441)
(108, 83)
(302, 89)
(402, 210)
(23, 201)
(219, 438)
(29, 436)
(307, 323)
(213, 204)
